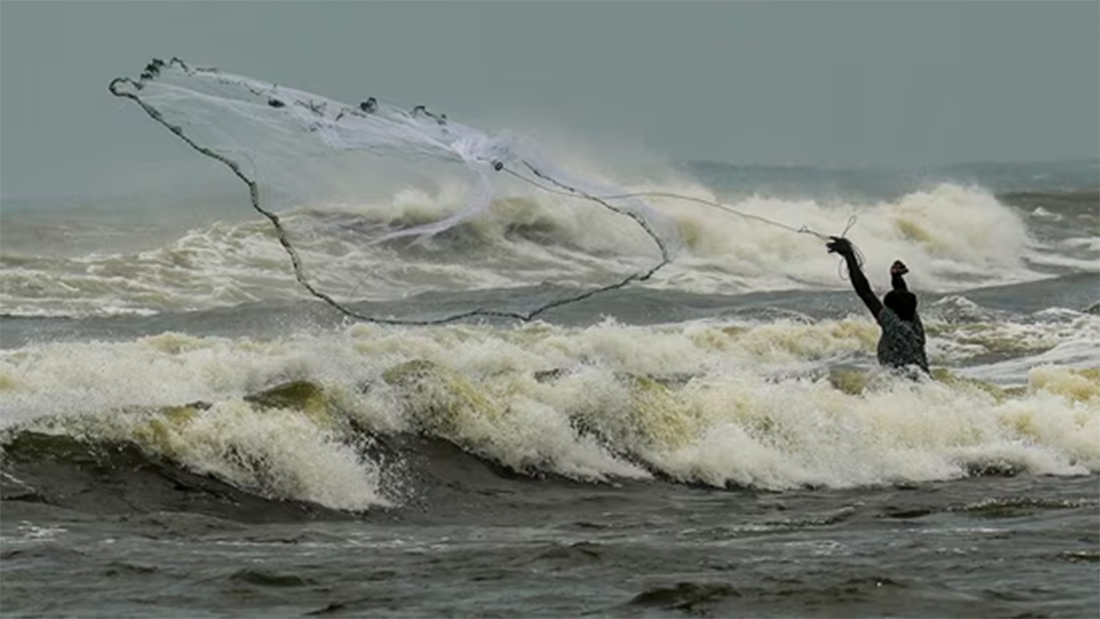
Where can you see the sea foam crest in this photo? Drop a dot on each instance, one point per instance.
(952, 237)
(720, 404)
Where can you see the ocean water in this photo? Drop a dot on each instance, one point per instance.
(185, 431)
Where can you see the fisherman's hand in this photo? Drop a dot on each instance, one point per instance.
(839, 245)
(898, 268)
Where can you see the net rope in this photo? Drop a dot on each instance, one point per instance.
(266, 134)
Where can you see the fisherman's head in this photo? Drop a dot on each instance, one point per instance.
(898, 268)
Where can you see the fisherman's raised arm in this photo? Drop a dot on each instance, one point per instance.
(840, 245)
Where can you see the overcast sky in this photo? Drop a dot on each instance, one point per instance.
(827, 83)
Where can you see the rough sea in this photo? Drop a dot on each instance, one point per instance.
(186, 432)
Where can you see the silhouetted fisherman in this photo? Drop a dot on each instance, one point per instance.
(902, 341)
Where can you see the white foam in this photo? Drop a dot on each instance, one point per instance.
(754, 409)
(951, 237)
(1080, 353)
(1042, 213)
(1089, 243)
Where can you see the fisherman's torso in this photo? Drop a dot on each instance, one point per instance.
(902, 341)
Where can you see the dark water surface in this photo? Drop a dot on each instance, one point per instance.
(474, 540)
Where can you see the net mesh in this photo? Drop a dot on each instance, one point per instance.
(322, 172)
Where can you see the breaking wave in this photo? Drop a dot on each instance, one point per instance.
(771, 406)
(951, 237)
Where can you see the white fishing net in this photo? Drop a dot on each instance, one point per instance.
(322, 172)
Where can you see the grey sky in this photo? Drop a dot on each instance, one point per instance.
(853, 83)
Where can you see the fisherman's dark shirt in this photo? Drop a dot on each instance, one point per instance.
(902, 341)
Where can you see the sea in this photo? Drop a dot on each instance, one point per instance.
(185, 431)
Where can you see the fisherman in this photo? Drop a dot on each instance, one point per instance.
(902, 342)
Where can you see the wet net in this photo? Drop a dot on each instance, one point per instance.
(314, 166)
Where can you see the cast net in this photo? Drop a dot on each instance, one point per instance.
(323, 173)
